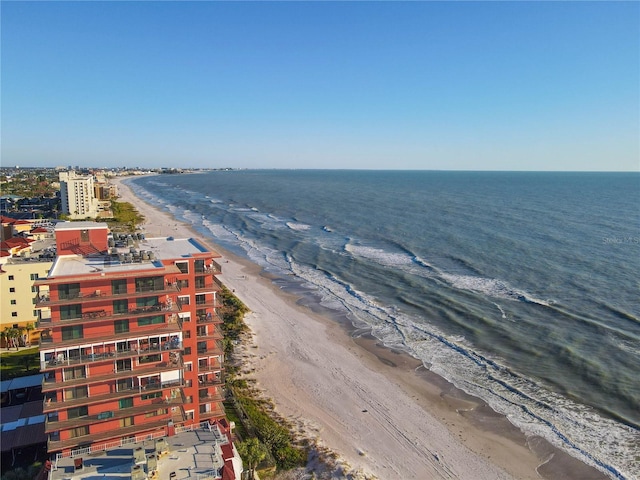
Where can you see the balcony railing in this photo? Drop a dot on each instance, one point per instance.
(58, 445)
(52, 405)
(212, 269)
(209, 318)
(154, 405)
(54, 363)
(157, 330)
(101, 296)
(50, 384)
(213, 413)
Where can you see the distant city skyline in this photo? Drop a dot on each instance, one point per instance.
(357, 85)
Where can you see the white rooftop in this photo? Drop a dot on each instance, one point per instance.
(194, 454)
(145, 255)
(80, 225)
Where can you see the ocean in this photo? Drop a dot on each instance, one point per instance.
(520, 288)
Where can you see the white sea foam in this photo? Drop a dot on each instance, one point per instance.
(378, 254)
(298, 226)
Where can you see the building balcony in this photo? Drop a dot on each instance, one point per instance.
(213, 365)
(100, 295)
(102, 315)
(207, 304)
(51, 384)
(209, 318)
(110, 356)
(213, 269)
(153, 406)
(86, 440)
(163, 329)
(52, 405)
(211, 382)
(216, 412)
(211, 397)
(216, 334)
(207, 287)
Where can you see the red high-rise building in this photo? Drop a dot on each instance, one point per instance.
(131, 343)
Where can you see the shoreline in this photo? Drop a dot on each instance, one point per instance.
(379, 409)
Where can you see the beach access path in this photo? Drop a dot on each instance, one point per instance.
(378, 410)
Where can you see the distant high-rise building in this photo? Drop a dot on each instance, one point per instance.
(77, 195)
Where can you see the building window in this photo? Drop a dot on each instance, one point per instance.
(160, 411)
(156, 357)
(13, 302)
(126, 422)
(72, 332)
(119, 286)
(74, 372)
(125, 403)
(79, 431)
(11, 277)
(34, 289)
(146, 302)
(120, 306)
(123, 365)
(77, 412)
(124, 384)
(121, 326)
(69, 291)
(12, 290)
(143, 322)
(34, 276)
(187, 351)
(14, 314)
(183, 266)
(151, 396)
(76, 392)
(68, 312)
(149, 284)
(199, 266)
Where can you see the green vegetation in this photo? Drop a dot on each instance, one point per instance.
(29, 183)
(232, 312)
(252, 452)
(20, 473)
(125, 217)
(256, 414)
(19, 364)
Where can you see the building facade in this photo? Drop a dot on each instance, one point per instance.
(19, 295)
(77, 195)
(131, 340)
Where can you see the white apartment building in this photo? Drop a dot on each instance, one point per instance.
(78, 196)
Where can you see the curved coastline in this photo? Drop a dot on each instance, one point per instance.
(468, 439)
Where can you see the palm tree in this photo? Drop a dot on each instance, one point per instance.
(252, 452)
(21, 337)
(29, 327)
(12, 335)
(5, 337)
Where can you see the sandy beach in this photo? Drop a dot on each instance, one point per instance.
(380, 411)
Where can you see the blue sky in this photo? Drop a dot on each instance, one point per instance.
(382, 85)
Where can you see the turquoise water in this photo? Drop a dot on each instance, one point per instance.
(520, 288)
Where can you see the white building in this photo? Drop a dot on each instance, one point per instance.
(77, 195)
